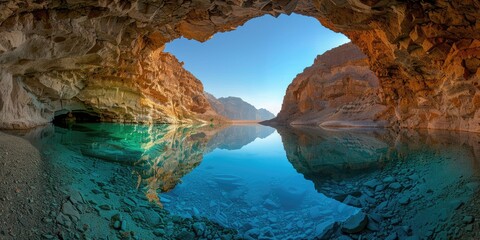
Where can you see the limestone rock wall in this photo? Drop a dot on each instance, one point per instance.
(425, 53)
(338, 89)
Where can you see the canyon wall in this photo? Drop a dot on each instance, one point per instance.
(235, 108)
(337, 90)
(425, 53)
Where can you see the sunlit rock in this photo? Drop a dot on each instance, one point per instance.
(339, 89)
(425, 54)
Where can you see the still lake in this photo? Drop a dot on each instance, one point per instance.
(257, 182)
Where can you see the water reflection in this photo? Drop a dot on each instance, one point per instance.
(294, 184)
(412, 182)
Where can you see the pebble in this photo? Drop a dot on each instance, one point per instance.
(392, 236)
(199, 228)
(388, 179)
(96, 191)
(117, 224)
(352, 201)
(457, 204)
(253, 233)
(76, 197)
(47, 236)
(165, 200)
(468, 219)
(270, 204)
(404, 200)
(123, 226)
(69, 210)
(395, 186)
(129, 202)
(469, 228)
(372, 183)
(184, 234)
(196, 212)
(159, 232)
(105, 207)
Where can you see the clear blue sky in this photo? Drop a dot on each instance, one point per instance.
(258, 60)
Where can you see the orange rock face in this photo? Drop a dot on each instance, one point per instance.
(425, 54)
(337, 90)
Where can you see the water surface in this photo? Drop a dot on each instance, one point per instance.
(258, 182)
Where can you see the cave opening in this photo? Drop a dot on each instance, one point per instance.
(64, 119)
(257, 61)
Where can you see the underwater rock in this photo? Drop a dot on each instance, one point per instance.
(329, 231)
(76, 197)
(63, 220)
(199, 228)
(395, 186)
(159, 232)
(269, 204)
(113, 153)
(388, 179)
(117, 224)
(253, 233)
(70, 210)
(152, 218)
(352, 201)
(355, 223)
(404, 200)
(392, 236)
(105, 207)
(468, 219)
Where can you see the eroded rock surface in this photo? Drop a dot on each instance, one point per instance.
(426, 54)
(338, 89)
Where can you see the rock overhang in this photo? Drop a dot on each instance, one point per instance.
(426, 54)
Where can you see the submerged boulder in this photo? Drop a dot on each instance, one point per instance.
(113, 153)
(355, 223)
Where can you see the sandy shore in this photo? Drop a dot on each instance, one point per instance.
(24, 199)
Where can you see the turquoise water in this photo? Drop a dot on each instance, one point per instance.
(190, 182)
(255, 187)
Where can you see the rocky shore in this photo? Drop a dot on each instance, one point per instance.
(46, 199)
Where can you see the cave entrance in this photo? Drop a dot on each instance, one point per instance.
(258, 60)
(62, 118)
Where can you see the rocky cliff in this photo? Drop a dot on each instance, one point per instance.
(166, 93)
(236, 109)
(338, 89)
(425, 53)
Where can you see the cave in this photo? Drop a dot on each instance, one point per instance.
(60, 118)
(425, 55)
(405, 180)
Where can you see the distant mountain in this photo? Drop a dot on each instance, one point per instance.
(236, 109)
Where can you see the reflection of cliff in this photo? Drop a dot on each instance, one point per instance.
(235, 137)
(167, 157)
(169, 153)
(411, 177)
(321, 154)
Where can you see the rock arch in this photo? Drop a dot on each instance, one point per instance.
(425, 53)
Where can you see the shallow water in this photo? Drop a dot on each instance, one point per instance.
(286, 183)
